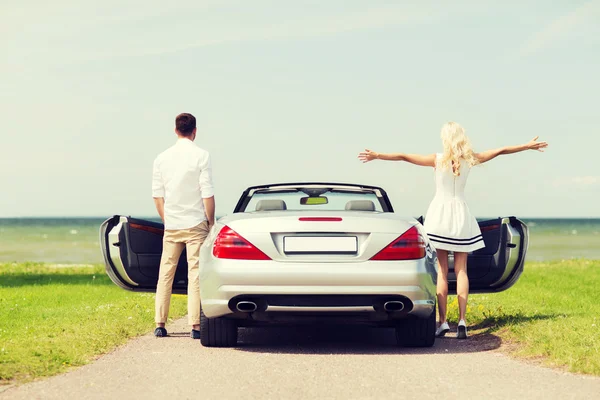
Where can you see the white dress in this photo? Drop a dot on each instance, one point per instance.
(449, 222)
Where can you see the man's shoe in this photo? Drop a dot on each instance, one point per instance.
(195, 334)
(442, 330)
(462, 330)
(160, 332)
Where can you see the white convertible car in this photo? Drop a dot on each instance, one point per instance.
(314, 252)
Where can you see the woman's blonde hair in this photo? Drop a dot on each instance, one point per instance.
(457, 148)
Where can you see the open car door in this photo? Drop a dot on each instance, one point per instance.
(132, 249)
(500, 263)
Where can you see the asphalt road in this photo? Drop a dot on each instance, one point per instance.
(310, 362)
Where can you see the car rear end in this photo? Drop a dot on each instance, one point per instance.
(287, 266)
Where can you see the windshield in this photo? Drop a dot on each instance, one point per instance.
(326, 200)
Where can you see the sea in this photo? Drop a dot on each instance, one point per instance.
(76, 240)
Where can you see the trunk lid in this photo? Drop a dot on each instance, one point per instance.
(327, 236)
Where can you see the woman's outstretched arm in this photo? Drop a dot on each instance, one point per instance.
(491, 154)
(417, 159)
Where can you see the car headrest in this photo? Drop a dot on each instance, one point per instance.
(360, 205)
(270, 205)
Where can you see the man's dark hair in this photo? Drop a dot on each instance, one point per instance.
(185, 124)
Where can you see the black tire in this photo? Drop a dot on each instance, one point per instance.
(418, 332)
(217, 332)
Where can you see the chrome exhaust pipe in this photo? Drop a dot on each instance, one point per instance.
(246, 306)
(393, 305)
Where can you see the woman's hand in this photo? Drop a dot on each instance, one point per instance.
(367, 156)
(535, 145)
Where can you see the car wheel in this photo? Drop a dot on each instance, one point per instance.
(217, 332)
(418, 332)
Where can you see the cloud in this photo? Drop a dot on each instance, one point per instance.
(561, 27)
(586, 180)
(110, 36)
(580, 181)
(306, 28)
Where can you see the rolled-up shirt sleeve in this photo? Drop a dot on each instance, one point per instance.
(206, 182)
(158, 187)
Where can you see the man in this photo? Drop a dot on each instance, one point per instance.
(184, 197)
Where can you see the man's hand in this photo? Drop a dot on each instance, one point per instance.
(159, 202)
(209, 209)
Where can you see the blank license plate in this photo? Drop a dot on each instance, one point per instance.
(320, 245)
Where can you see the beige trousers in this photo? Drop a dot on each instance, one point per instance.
(174, 241)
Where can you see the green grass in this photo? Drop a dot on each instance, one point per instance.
(54, 318)
(552, 314)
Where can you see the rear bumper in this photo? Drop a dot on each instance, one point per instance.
(307, 289)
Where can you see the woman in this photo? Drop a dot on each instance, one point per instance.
(448, 222)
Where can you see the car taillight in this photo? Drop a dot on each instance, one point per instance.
(409, 246)
(229, 244)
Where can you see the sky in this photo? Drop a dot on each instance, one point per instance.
(288, 91)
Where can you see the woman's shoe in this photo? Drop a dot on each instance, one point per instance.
(462, 330)
(442, 330)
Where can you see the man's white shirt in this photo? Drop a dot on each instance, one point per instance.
(182, 175)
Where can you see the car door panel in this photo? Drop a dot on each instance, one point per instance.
(497, 266)
(132, 250)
